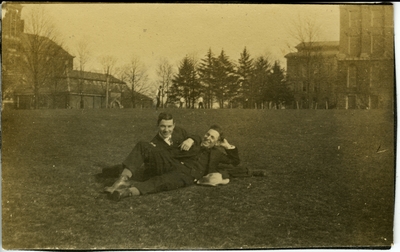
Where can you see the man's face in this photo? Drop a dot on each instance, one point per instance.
(210, 138)
(165, 127)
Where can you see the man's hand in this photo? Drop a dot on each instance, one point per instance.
(187, 144)
(226, 145)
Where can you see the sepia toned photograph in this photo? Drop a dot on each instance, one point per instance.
(201, 126)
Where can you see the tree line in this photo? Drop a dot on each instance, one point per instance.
(249, 83)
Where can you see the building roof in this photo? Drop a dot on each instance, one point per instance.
(304, 54)
(76, 74)
(27, 37)
(318, 48)
(318, 44)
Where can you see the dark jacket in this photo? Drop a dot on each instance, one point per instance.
(178, 136)
(201, 161)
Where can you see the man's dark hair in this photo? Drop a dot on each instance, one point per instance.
(219, 130)
(164, 116)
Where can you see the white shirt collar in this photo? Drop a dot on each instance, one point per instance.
(167, 140)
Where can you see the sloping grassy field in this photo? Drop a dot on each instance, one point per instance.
(330, 181)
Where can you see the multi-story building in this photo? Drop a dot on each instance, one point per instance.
(366, 58)
(60, 86)
(311, 74)
(357, 71)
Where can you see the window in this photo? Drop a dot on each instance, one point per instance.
(373, 101)
(352, 77)
(354, 45)
(376, 17)
(374, 76)
(298, 71)
(303, 87)
(371, 76)
(351, 102)
(354, 19)
(316, 87)
(316, 67)
(376, 44)
(303, 71)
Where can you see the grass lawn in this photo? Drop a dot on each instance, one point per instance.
(330, 181)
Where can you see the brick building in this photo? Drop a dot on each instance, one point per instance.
(355, 73)
(60, 86)
(311, 74)
(366, 58)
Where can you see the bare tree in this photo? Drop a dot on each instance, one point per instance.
(108, 63)
(165, 73)
(43, 59)
(135, 74)
(306, 31)
(83, 52)
(83, 55)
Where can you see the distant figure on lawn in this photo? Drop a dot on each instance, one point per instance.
(200, 102)
(181, 102)
(170, 169)
(158, 96)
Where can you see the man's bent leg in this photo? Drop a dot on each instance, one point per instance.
(158, 160)
(139, 154)
(166, 182)
(132, 163)
(122, 182)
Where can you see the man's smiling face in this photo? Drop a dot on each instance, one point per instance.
(166, 127)
(210, 139)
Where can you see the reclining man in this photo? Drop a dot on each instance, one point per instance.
(168, 138)
(172, 168)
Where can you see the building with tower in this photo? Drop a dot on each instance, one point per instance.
(357, 72)
(366, 56)
(38, 73)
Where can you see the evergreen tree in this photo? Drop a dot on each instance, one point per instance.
(186, 83)
(247, 91)
(205, 71)
(226, 84)
(260, 76)
(277, 91)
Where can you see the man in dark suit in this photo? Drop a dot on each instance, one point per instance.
(168, 138)
(174, 168)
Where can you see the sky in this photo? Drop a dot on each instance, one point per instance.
(151, 32)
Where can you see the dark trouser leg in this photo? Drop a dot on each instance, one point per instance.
(157, 160)
(165, 182)
(140, 153)
(112, 171)
(158, 103)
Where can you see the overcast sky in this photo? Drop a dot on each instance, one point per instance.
(154, 31)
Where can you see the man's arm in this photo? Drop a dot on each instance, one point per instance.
(188, 143)
(232, 153)
(231, 156)
(187, 140)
